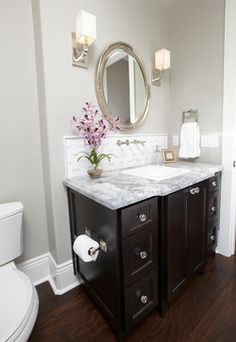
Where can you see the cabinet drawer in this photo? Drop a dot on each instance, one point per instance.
(213, 206)
(140, 299)
(139, 254)
(212, 235)
(214, 182)
(138, 216)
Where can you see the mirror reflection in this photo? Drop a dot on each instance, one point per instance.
(124, 87)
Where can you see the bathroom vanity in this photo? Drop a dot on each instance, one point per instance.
(155, 236)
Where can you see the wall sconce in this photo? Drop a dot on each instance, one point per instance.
(84, 37)
(162, 63)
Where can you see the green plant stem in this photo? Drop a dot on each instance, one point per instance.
(95, 158)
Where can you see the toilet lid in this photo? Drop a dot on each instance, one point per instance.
(16, 292)
(9, 209)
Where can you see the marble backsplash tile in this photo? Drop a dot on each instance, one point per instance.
(135, 154)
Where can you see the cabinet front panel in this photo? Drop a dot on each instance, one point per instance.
(103, 274)
(139, 254)
(138, 216)
(176, 243)
(196, 223)
(140, 299)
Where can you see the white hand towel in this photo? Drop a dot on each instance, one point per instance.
(189, 140)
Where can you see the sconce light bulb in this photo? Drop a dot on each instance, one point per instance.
(162, 59)
(86, 28)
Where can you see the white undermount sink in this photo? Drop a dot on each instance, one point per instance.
(156, 172)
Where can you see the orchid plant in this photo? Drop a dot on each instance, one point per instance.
(94, 129)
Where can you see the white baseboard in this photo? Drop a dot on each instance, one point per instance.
(44, 268)
(36, 269)
(62, 278)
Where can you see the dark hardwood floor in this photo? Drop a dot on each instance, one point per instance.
(206, 311)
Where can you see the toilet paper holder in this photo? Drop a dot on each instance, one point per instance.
(102, 243)
(102, 247)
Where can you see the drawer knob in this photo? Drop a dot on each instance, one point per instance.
(213, 209)
(214, 183)
(143, 254)
(197, 190)
(142, 217)
(212, 237)
(144, 299)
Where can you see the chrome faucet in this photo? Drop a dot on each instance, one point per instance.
(128, 142)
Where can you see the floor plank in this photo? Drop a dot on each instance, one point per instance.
(206, 311)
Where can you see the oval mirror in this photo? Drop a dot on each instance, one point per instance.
(122, 86)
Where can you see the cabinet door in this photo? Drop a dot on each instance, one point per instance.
(196, 223)
(176, 243)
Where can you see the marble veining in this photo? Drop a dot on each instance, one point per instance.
(116, 190)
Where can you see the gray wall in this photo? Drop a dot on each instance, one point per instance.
(66, 88)
(21, 176)
(118, 89)
(36, 107)
(196, 76)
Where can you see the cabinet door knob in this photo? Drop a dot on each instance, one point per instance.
(213, 209)
(197, 190)
(143, 254)
(214, 183)
(142, 217)
(212, 237)
(193, 191)
(144, 299)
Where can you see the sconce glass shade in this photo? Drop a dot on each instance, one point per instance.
(162, 59)
(85, 28)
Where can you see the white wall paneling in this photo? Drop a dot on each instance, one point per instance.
(226, 244)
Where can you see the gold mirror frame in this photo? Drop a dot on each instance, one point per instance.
(100, 89)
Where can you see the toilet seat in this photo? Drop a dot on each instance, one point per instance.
(18, 304)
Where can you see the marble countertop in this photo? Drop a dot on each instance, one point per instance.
(116, 190)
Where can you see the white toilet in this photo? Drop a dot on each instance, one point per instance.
(18, 297)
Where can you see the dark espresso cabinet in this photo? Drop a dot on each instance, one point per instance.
(123, 281)
(196, 227)
(153, 248)
(184, 234)
(188, 234)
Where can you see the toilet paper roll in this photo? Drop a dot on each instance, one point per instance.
(82, 245)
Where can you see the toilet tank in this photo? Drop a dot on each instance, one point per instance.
(11, 242)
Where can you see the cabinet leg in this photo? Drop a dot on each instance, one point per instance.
(121, 337)
(162, 309)
(202, 270)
